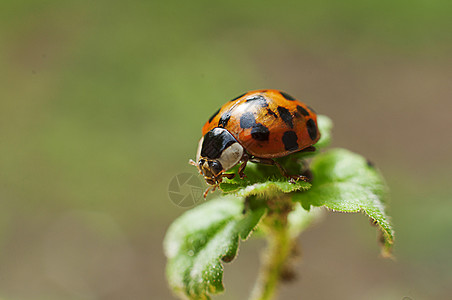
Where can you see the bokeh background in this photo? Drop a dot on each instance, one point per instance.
(102, 103)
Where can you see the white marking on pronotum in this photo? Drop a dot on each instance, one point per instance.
(231, 156)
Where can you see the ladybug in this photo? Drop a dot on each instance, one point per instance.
(257, 126)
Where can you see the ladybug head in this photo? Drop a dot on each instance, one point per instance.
(218, 151)
(210, 169)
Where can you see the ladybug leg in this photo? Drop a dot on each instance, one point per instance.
(207, 192)
(269, 161)
(308, 174)
(228, 175)
(212, 188)
(293, 178)
(245, 159)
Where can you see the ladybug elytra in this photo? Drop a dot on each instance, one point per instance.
(257, 126)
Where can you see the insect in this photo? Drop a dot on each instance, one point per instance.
(257, 126)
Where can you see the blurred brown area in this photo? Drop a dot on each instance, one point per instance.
(102, 103)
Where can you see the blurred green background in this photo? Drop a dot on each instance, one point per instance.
(102, 103)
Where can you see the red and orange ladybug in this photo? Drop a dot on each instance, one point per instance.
(257, 126)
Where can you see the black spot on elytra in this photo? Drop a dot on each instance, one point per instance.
(215, 141)
(370, 163)
(258, 100)
(287, 96)
(247, 120)
(312, 129)
(223, 122)
(302, 111)
(271, 113)
(238, 97)
(214, 115)
(260, 132)
(285, 116)
(290, 140)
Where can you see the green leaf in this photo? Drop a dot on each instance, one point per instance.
(346, 182)
(198, 241)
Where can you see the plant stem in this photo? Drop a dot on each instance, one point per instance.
(279, 247)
